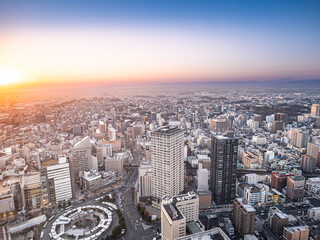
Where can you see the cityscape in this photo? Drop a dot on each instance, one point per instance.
(160, 120)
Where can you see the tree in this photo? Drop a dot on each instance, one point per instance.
(146, 213)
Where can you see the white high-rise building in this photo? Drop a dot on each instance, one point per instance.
(203, 178)
(81, 155)
(167, 160)
(144, 180)
(112, 133)
(60, 176)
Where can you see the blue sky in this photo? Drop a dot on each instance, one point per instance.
(254, 40)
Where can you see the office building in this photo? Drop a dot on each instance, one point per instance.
(32, 194)
(176, 212)
(299, 138)
(223, 168)
(81, 157)
(277, 125)
(313, 150)
(114, 163)
(167, 163)
(315, 110)
(102, 127)
(281, 117)
(219, 125)
(144, 181)
(279, 220)
(243, 217)
(295, 188)
(314, 213)
(279, 180)
(308, 163)
(296, 233)
(136, 131)
(56, 179)
(251, 194)
(203, 178)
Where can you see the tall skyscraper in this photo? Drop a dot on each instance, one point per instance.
(224, 152)
(315, 109)
(167, 163)
(81, 155)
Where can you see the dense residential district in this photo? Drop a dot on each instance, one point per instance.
(186, 165)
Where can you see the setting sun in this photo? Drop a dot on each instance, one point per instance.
(10, 75)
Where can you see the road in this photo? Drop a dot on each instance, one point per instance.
(136, 229)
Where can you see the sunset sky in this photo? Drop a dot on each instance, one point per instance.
(158, 41)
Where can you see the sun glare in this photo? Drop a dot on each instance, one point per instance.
(10, 75)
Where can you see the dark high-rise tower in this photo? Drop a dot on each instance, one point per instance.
(224, 151)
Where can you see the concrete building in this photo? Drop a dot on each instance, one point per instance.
(91, 180)
(278, 221)
(81, 157)
(251, 193)
(114, 163)
(32, 196)
(296, 233)
(314, 213)
(251, 178)
(315, 110)
(313, 150)
(219, 125)
(136, 130)
(295, 188)
(223, 168)
(277, 125)
(299, 138)
(56, 179)
(243, 217)
(6, 203)
(144, 181)
(308, 163)
(279, 179)
(203, 178)
(167, 160)
(176, 212)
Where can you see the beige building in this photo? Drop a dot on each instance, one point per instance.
(315, 110)
(248, 158)
(295, 188)
(313, 150)
(296, 233)
(114, 163)
(81, 157)
(243, 217)
(167, 160)
(32, 190)
(176, 212)
(299, 138)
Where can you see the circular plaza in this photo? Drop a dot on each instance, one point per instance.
(85, 223)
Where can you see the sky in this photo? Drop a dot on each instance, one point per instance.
(158, 41)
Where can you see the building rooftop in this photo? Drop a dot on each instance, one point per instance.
(296, 229)
(168, 130)
(212, 234)
(193, 227)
